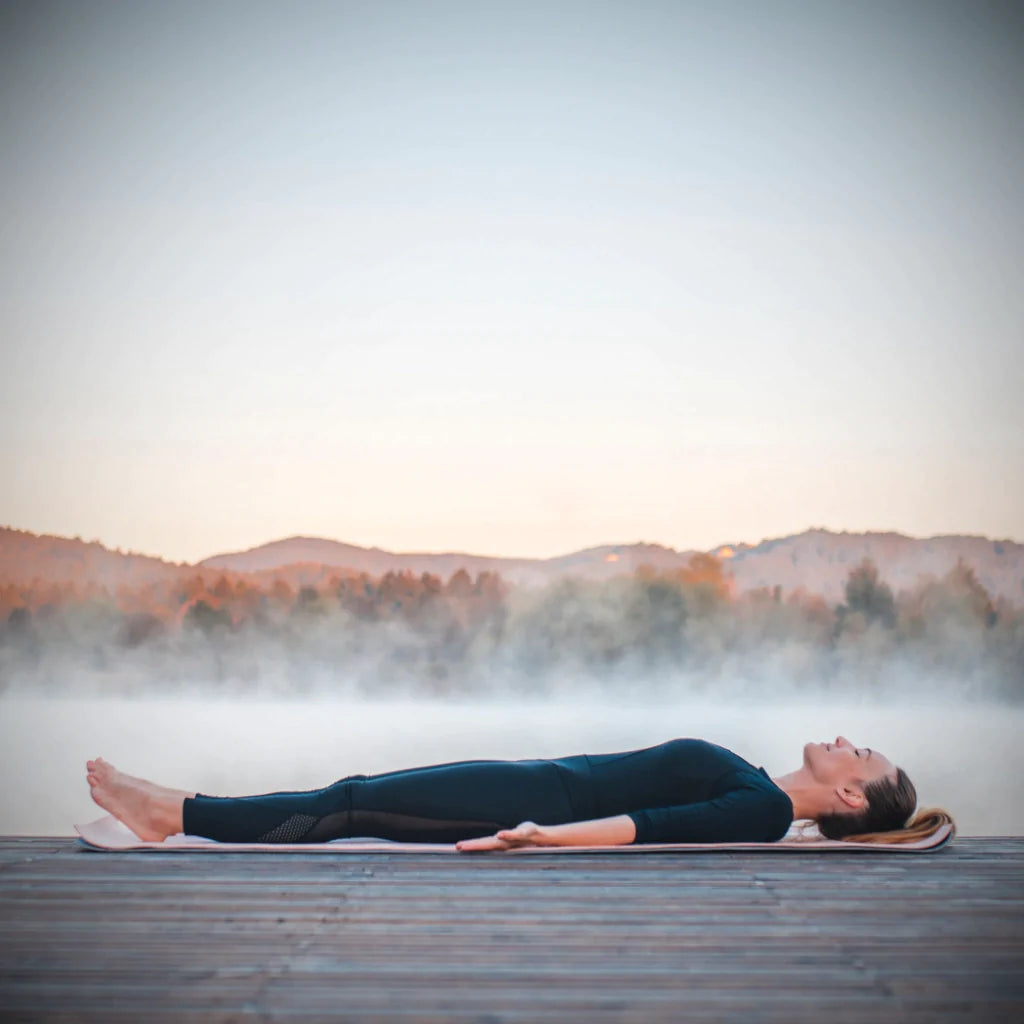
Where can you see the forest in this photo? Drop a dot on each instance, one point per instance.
(406, 634)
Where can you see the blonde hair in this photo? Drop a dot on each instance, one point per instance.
(887, 816)
(925, 823)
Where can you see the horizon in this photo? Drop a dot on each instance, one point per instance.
(747, 545)
(511, 280)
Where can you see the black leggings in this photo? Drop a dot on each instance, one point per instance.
(434, 804)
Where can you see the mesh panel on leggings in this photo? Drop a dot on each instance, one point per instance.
(407, 828)
(289, 831)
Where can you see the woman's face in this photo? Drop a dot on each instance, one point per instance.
(840, 763)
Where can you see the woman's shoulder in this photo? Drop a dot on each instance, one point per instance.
(713, 758)
(690, 746)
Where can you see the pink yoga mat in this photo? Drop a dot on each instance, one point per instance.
(107, 833)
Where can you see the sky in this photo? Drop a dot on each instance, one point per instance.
(509, 278)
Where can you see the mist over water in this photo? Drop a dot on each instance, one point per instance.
(965, 757)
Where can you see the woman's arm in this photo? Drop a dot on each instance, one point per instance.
(752, 812)
(617, 831)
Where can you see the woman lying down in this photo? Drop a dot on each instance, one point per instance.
(680, 791)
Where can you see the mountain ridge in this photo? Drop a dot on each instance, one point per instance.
(817, 560)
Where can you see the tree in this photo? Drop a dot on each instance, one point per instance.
(207, 619)
(223, 590)
(137, 628)
(868, 597)
(655, 617)
(460, 586)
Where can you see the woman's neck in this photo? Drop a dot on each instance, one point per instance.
(805, 792)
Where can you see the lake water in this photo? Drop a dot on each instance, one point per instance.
(968, 759)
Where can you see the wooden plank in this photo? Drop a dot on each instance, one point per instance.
(726, 936)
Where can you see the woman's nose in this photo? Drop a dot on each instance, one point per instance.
(842, 741)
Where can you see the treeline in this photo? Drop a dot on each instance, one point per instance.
(403, 633)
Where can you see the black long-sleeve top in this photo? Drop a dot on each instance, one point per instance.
(680, 791)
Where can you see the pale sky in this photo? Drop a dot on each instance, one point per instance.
(513, 278)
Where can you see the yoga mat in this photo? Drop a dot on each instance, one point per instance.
(107, 833)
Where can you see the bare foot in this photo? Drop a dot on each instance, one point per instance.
(152, 812)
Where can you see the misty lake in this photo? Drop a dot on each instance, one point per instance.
(966, 758)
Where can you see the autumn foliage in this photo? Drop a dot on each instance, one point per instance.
(314, 627)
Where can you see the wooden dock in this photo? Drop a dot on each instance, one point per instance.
(490, 938)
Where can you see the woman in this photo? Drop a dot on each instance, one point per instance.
(681, 791)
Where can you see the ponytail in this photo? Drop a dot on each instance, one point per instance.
(924, 824)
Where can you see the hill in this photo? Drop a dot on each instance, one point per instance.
(816, 560)
(593, 563)
(29, 557)
(819, 561)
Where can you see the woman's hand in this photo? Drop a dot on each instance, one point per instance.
(527, 833)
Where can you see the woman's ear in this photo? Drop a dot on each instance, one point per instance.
(851, 797)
